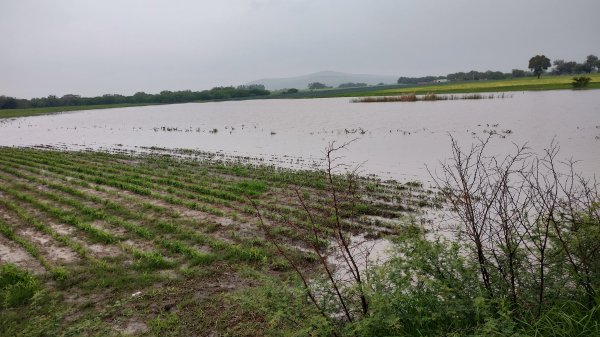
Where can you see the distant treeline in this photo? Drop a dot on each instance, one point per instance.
(352, 85)
(417, 80)
(472, 75)
(217, 93)
(561, 67)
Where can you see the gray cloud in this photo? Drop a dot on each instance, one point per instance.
(96, 47)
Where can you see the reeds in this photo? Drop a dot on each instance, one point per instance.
(428, 97)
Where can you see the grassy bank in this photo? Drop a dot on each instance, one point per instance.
(110, 244)
(521, 84)
(11, 113)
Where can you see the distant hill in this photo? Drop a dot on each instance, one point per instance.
(329, 78)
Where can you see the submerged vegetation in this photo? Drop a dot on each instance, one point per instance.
(107, 244)
(428, 97)
(102, 244)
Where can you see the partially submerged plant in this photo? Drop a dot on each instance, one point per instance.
(413, 97)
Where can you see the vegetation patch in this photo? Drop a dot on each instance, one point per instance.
(251, 187)
(17, 286)
(158, 241)
(581, 81)
(428, 97)
(202, 248)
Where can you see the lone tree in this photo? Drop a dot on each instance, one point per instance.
(538, 64)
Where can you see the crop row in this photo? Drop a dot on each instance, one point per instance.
(231, 251)
(144, 188)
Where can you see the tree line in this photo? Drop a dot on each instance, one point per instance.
(590, 64)
(319, 85)
(537, 65)
(166, 96)
(472, 75)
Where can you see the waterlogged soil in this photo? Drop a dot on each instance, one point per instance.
(199, 249)
(393, 140)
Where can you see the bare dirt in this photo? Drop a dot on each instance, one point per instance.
(49, 247)
(12, 253)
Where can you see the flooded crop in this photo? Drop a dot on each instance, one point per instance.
(394, 140)
(429, 97)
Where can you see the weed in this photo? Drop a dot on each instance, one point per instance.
(17, 287)
(164, 324)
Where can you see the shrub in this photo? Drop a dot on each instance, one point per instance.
(580, 81)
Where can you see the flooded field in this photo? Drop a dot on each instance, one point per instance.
(394, 140)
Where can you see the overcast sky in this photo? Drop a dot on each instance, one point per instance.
(122, 46)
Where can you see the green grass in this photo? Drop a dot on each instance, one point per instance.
(11, 113)
(520, 84)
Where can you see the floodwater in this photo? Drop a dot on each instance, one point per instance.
(393, 140)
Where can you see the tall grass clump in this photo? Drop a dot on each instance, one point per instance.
(148, 260)
(400, 98)
(17, 286)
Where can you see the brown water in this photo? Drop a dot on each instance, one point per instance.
(395, 140)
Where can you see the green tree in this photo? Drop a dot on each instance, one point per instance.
(561, 67)
(8, 102)
(591, 63)
(538, 64)
(518, 73)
